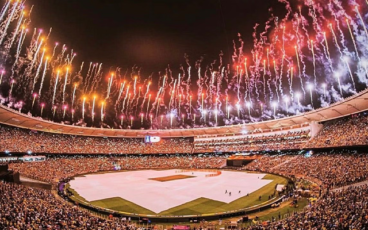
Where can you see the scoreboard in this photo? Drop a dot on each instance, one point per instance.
(151, 139)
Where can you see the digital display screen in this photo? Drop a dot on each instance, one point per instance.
(151, 139)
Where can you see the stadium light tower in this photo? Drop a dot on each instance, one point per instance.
(274, 105)
(11, 86)
(20, 106)
(286, 100)
(297, 96)
(102, 111)
(54, 111)
(324, 89)
(310, 87)
(216, 115)
(64, 110)
(34, 98)
(190, 104)
(338, 81)
(1, 76)
(83, 106)
(121, 120)
(261, 108)
(42, 107)
(171, 119)
(73, 111)
(248, 104)
(238, 108)
(228, 112)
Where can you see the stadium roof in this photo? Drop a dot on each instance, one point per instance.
(351, 105)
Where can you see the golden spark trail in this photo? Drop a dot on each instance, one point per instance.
(1, 76)
(350, 73)
(314, 63)
(126, 96)
(134, 86)
(109, 86)
(328, 51)
(291, 81)
(73, 97)
(38, 70)
(298, 61)
(102, 111)
(16, 30)
(65, 82)
(5, 8)
(8, 22)
(352, 38)
(93, 108)
(335, 38)
(362, 21)
(43, 76)
(83, 107)
(149, 99)
(122, 85)
(56, 83)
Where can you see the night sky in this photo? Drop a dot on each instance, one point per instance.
(151, 34)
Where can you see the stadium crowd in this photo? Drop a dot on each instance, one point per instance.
(25, 208)
(285, 141)
(21, 140)
(347, 131)
(342, 209)
(29, 208)
(60, 168)
(332, 170)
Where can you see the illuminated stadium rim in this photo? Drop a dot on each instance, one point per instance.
(350, 105)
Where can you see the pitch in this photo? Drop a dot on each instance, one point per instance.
(174, 192)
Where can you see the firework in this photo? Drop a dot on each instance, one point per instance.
(83, 107)
(42, 107)
(34, 99)
(1, 76)
(121, 120)
(102, 110)
(73, 97)
(54, 111)
(10, 18)
(93, 108)
(251, 81)
(65, 83)
(43, 76)
(64, 110)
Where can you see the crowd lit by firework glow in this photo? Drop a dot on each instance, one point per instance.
(314, 55)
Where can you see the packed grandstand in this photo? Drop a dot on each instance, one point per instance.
(329, 167)
(347, 131)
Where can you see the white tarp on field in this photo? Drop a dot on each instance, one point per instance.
(156, 196)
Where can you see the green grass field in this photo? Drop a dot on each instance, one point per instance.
(120, 204)
(263, 215)
(195, 207)
(205, 206)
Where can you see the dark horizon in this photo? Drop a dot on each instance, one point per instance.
(150, 34)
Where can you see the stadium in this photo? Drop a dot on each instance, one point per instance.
(274, 139)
